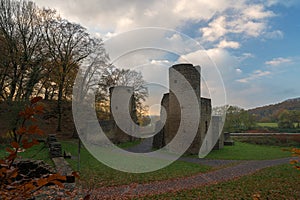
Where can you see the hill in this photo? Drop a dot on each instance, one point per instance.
(269, 111)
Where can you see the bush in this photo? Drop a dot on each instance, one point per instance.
(12, 187)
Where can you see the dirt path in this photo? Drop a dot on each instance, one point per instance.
(158, 187)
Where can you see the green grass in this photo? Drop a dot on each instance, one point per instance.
(282, 141)
(268, 125)
(95, 174)
(279, 182)
(245, 151)
(129, 144)
(272, 125)
(37, 152)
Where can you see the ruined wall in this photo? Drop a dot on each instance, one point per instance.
(216, 127)
(193, 77)
(159, 138)
(117, 135)
(206, 111)
(170, 103)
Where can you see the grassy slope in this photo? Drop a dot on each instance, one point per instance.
(280, 182)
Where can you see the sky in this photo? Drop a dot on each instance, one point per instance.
(255, 44)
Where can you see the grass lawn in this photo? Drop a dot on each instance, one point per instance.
(95, 174)
(271, 125)
(129, 144)
(37, 152)
(268, 125)
(279, 182)
(245, 151)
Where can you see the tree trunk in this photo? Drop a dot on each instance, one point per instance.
(46, 94)
(13, 84)
(59, 101)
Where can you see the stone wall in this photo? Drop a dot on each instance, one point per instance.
(216, 127)
(159, 138)
(205, 113)
(192, 75)
(118, 135)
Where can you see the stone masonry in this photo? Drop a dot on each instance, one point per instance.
(118, 135)
(170, 103)
(216, 126)
(159, 138)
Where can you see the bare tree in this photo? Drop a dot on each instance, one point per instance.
(68, 45)
(113, 76)
(4, 69)
(20, 29)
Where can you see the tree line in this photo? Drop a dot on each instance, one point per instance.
(240, 120)
(41, 54)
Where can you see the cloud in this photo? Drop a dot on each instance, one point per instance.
(257, 12)
(215, 29)
(239, 71)
(278, 61)
(277, 34)
(244, 21)
(255, 75)
(221, 26)
(159, 62)
(217, 17)
(228, 44)
(287, 3)
(215, 63)
(119, 15)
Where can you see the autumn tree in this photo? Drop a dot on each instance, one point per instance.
(12, 184)
(296, 117)
(68, 45)
(4, 68)
(113, 76)
(92, 68)
(24, 48)
(238, 119)
(286, 119)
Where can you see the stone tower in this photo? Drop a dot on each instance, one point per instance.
(193, 76)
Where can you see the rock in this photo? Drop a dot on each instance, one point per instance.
(51, 138)
(67, 154)
(55, 150)
(31, 169)
(227, 140)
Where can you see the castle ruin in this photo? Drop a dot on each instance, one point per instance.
(173, 110)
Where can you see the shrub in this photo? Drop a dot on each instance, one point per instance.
(22, 138)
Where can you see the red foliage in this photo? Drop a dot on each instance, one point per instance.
(296, 163)
(10, 188)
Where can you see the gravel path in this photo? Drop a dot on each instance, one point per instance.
(158, 187)
(210, 162)
(144, 147)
